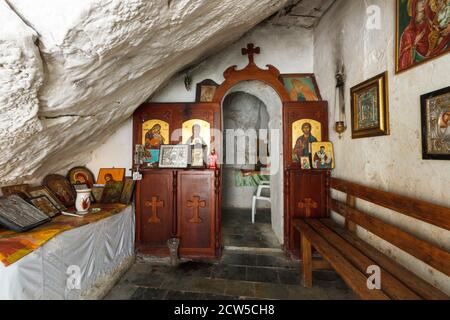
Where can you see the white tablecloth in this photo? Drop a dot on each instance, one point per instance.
(69, 265)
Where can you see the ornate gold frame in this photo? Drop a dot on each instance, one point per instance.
(381, 81)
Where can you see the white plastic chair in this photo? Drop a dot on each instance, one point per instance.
(263, 185)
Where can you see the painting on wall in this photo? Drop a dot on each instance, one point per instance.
(155, 133)
(110, 175)
(435, 107)
(304, 132)
(301, 87)
(322, 155)
(422, 31)
(206, 90)
(370, 110)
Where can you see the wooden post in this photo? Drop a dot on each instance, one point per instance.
(307, 262)
(349, 225)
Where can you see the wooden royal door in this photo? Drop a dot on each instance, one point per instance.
(197, 212)
(154, 217)
(307, 198)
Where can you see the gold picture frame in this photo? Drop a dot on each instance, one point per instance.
(370, 108)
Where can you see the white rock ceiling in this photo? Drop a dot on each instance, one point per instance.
(302, 13)
(72, 71)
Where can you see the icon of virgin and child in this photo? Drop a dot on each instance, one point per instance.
(153, 140)
(302, 145)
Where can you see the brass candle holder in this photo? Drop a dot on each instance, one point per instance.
(340, 128)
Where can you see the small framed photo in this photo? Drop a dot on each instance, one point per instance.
(60, 186)
(206, 90)
(45, 205)
(174, 156)
(97, 192)
(110, 175)
(370, 108)
(305, 164)
(322, 155)
(197, 156)
(435, 109)
(44, 191)
(127, 191)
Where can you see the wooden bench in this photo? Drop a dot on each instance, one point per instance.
(350, 256)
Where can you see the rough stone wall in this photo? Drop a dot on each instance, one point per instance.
(241, 111)
(72, 72)
(393, 163)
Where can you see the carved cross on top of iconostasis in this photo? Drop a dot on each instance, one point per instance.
(196, 204)
(250, 51)
(308, 204)
(154, 204)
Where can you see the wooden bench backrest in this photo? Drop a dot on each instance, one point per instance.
(430, 213)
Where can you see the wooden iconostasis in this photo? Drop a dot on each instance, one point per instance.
(177, 203)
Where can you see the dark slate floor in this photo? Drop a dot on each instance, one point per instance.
(238, 230)
(235, 276)
(241, 273)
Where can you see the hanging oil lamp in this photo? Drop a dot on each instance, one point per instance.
(339, 100)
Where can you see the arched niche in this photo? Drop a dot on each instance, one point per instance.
(271, 99)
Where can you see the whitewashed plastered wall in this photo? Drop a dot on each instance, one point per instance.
(393, 163)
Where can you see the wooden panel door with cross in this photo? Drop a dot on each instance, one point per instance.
(308, 198)
(196, 211)
(155, 216)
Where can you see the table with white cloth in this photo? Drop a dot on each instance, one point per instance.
(73, 262)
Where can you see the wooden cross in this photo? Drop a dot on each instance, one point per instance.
(155, 204)
(308, 204)
(196, 204)
(250, 51)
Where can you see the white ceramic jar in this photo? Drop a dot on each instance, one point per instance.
(83, 201)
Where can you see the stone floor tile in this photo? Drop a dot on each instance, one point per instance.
(242, 259)
(229, 272)
(271, 291)
(182, 295)
(121, 292)
(289, 276)
(240, 288)
(258, 274)
(149, 294)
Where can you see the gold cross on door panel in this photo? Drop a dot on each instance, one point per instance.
(308, 204)
(196, 204)
(154, 204)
